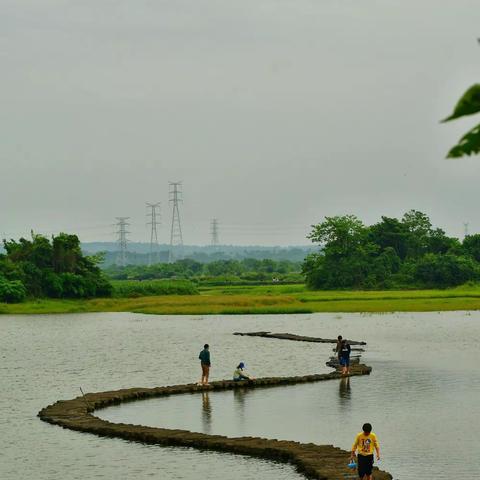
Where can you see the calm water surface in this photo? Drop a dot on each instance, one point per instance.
(423, 396)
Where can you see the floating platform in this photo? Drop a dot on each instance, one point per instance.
(296, 338)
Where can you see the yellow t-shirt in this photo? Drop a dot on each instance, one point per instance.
(365, 444)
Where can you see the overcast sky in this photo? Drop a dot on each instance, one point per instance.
(273, 113)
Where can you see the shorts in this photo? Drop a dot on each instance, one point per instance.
(345, 361)
(365, 465)
(205, 369)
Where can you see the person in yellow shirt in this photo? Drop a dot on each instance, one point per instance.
(365, 443)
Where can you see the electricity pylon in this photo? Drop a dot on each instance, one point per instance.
(154, 216)
(176, 238)
(214, 232)
(122, 240)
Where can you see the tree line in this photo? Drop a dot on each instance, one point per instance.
(216, 272)
(393, 253)
(55, 268)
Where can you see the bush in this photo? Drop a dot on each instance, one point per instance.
(471, 246)
(12, 291)
(446, 270)
(53, 268)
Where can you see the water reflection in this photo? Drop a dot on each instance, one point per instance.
(239, 395)
(406, 390)
(206, 413)
(344, 391)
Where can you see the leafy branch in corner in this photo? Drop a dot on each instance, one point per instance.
(469, 104)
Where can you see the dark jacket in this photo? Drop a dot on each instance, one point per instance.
(204, 357)
(345, 351)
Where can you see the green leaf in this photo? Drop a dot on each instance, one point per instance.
(468, 104)
(469, 144)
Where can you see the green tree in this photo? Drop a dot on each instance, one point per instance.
(391, 232)
(445, 270)
(390, 253)
(340, 234)
(438, 242)
(53, 268)
(471, 246)
(345, 260)
(419, 227)
(468, 104)
(67, 254)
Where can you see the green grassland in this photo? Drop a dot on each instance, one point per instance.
(263, 300)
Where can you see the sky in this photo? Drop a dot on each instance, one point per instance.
(273, 114)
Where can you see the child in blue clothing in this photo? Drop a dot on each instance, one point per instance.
(345, 357)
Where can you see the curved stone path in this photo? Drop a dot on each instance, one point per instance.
(314, 461)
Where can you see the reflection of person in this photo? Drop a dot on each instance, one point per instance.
(344, 389)
(240, 402)
(345, 357)
(205, 364)
(206, 412)
(240, 374)
(365, 443)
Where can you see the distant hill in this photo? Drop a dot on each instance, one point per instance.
(138, 253)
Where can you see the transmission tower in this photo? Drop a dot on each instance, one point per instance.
(122, 240)
(154, 215)
(214, 232)
(176, 239)
(465, 228)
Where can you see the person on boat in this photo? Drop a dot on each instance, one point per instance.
(365, 444)
(205, 364)
(345, 357)
(240, 374)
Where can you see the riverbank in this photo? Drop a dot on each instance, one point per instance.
(276, 299)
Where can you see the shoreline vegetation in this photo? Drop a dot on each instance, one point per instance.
(271, 299)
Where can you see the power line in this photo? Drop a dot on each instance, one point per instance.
(176, 238)
(214, 232)
(122, 240)
(153, 214)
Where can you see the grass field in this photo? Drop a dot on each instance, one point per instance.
(266, 299)
(146, 288)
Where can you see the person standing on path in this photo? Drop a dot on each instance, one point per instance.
(338, 347)
(365, 443)
(345, 350)
(205, 364)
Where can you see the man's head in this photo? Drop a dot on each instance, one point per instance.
(367, 428)
(339, 338)
(206, 346)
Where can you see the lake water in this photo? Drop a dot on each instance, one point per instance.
(423, 396)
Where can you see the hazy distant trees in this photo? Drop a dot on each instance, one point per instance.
(392, 253)
(469, 104)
